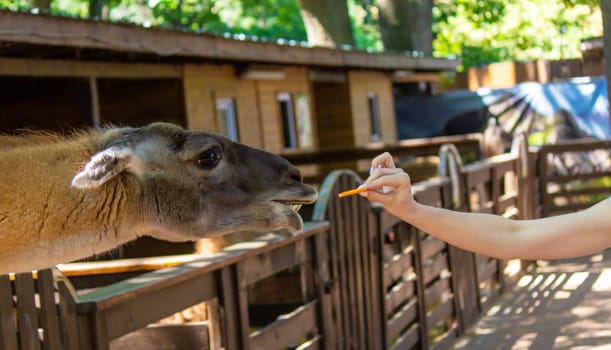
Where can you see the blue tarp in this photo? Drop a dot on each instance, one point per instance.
(525, 107)
(585, 99)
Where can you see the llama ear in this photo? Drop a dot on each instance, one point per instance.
(102, 167)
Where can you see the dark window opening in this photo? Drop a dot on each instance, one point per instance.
(374, 117)
(55, 104)
(288, 121)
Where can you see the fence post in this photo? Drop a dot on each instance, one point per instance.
(323, 288)
(462, 262)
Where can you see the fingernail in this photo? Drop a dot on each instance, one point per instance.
(371, 171)
(361, 186)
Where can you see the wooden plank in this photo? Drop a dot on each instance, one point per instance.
(477, 176)
(592, 190)
(214, 324)
(312, 344)
(228, 299)
(324, 288)
(433, 293)
(428, 196)
(432, 268)
(62, 68)
(431, 246)
(358, 272)
(420, 286)
(506, 166)
(563, 179)
(49, 319)
(167, 337)
(373, 329)
(408, 340)
(491, 298)
(267, 264)
(377, 281)
(147, 306)
(401, 320)
(577, 145)
(398, 295)
(447, 340)
(343, 287)
(288, 329)
(506, 201)
(439, 313)
(67, 312)
(351, 303)
(242, 307)
(335, 252)
(487, 270)
(27, 315)
(401, 265)
(8, 323)
(414, 147)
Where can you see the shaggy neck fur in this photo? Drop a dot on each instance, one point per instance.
(43, 220)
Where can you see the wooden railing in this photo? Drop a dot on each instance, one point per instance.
(317, 164)
(366, 279)
(572, 175)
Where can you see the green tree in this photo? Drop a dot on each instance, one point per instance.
(482, 32)
(327, 22)
(406, 25)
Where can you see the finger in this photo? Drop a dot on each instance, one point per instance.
(381, 172)
(384, 160)
(389, 183)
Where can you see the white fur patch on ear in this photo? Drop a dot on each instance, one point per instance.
(102, 167)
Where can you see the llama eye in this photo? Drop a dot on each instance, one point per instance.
(209, 158)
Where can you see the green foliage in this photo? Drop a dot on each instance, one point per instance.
(478, 31)
(364, 18)
(15, 5)
(483, 32)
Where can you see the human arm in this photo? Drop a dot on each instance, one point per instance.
(562, 236)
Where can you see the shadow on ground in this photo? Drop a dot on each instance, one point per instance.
(563, 304)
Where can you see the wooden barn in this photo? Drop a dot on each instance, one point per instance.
(58, 73)
(61, 73)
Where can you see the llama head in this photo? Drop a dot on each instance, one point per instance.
(191, 184)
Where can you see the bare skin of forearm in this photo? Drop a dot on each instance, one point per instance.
(549, 238)
(563, 236)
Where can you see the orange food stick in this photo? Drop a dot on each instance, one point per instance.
(352, 192)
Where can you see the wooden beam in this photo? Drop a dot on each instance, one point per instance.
(77, 33)
(62, 68)
(414, 77)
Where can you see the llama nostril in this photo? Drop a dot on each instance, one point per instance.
(294, 174)
(296, 177)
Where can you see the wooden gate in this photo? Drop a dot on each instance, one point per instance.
(354, 257)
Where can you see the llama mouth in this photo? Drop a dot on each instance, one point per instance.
(293, 204)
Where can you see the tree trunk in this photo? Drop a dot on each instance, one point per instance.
(605, 7)
(43, 6)
(406, 25)
(327, 22)
(95, 8)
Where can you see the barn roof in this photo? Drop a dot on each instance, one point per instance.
(45, 36)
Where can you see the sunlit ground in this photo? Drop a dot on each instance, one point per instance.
(561, 305)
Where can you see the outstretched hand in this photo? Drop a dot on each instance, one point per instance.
(399, 200)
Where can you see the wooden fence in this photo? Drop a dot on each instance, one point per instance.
(573, 175)
(366, 280)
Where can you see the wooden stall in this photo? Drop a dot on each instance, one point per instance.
(60, 73)
(87, 73)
